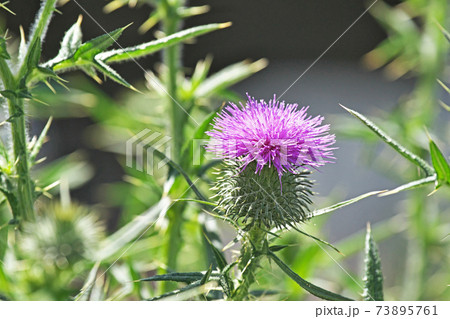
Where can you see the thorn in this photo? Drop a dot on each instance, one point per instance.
(428, 134)
(22, 34)
(345, 108)
(434, 191)
(127, 25)
(3, 5)
(50, 86)
(136, 90)
(60, 82)
(41, 160)
(39, 101)
(225, 25)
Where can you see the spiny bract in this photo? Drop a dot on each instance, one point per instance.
(257, 198)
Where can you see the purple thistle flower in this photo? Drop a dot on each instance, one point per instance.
(273, 134)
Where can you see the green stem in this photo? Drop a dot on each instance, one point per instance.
(171, 57)
(249, 262)
(41, 24)
(417, 253)
(25, 186)
(22, 207)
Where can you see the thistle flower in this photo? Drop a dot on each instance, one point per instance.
(273, 134)
(266, 148)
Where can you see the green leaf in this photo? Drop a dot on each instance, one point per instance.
(186, 277)
(40, 26)
(71, 42)
(318, 239)
(112, 74)
(190, 291)
(156, 45)
(228, 76)
(196, 201)
(275, 248)
(200, 72)
(32, 59)
(440, 165)
(313, 289)
(3, 51)
(220, 258)
(373, 279)
(334, 207)
(88, 50)
(411, 185)
(205, 278)
(393, 143)
(178, 168)
(3, 236)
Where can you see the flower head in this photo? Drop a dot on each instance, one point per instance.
(266, 146)
(271, 134)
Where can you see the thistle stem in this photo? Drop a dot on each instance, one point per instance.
(25, 186)
(22, 203)
(171, 57)
(249, 261)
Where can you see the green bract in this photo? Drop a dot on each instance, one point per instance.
(262, 198)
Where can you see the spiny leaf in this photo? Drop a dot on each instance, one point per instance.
(190, 291)
(156, 45)
(34, 55)
(221, 262)
(313, 289)
(112, 74)
(206, 276)
(411, 185)
(229, 76)
(332, 208)
(90, 49)
(186, 277)
(70, 43)
(393, 143)
(40, 26)
(3, 51)
(275, 248)
(318, 239)
(196, 201)
(373, 278)
(440, 165)
(180, 170)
